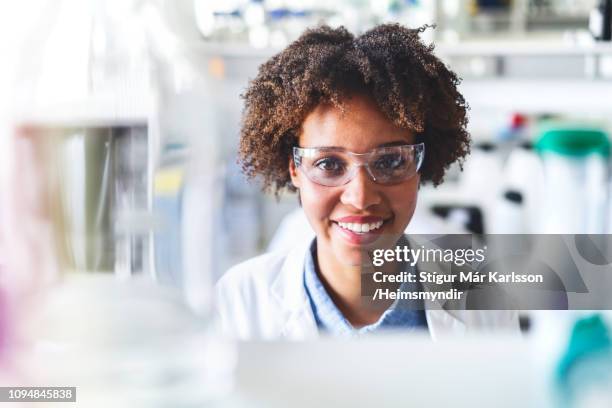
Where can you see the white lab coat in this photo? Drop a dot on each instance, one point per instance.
(265, 298)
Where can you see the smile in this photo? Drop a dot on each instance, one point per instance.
(359, 230)
(359, 227)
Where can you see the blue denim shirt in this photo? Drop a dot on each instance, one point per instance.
(329, 319)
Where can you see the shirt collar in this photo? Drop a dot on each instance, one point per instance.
(330, 319)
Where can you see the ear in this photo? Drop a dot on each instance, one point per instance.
(293, 173)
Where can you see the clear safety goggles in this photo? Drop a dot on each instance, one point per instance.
(335, 166)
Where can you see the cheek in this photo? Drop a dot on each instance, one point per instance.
(403, 199)
(318, 202)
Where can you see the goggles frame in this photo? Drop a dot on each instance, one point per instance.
(358, 160)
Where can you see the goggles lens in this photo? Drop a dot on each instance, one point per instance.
(332, 166)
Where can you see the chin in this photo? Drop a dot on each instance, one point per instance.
(352, 256)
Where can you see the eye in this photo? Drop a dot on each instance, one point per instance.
(390, 162)
(330, 165)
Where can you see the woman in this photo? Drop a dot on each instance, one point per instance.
(354, 125)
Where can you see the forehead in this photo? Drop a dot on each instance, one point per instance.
(361, 127)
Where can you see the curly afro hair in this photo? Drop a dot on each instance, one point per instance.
(388, 64)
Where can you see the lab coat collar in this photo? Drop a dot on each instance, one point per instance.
(289, 293)
(288, 286)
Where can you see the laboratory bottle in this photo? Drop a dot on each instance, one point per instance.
(575, 167)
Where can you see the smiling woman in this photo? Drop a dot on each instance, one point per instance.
(354, 125)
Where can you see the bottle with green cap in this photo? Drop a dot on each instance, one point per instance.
(584, 372)
(575, 162)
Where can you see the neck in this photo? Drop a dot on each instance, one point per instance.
(343, 284)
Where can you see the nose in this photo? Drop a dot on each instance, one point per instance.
(361, 192)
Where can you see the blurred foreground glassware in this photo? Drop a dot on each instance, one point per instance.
(81, 221)
(584, 373)
(127, 344)
(80, 109)
(188, 169)
(94, 178)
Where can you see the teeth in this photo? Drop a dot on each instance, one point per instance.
(360, 228)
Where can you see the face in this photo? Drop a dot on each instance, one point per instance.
(361, 201)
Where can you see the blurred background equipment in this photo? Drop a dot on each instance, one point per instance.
(600, 21)
(523, 62)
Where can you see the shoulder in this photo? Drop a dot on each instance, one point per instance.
(250, 297)
(252, 273)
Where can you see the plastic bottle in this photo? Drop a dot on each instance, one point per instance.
(574, 198)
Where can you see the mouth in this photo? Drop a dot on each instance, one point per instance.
(361, 230)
